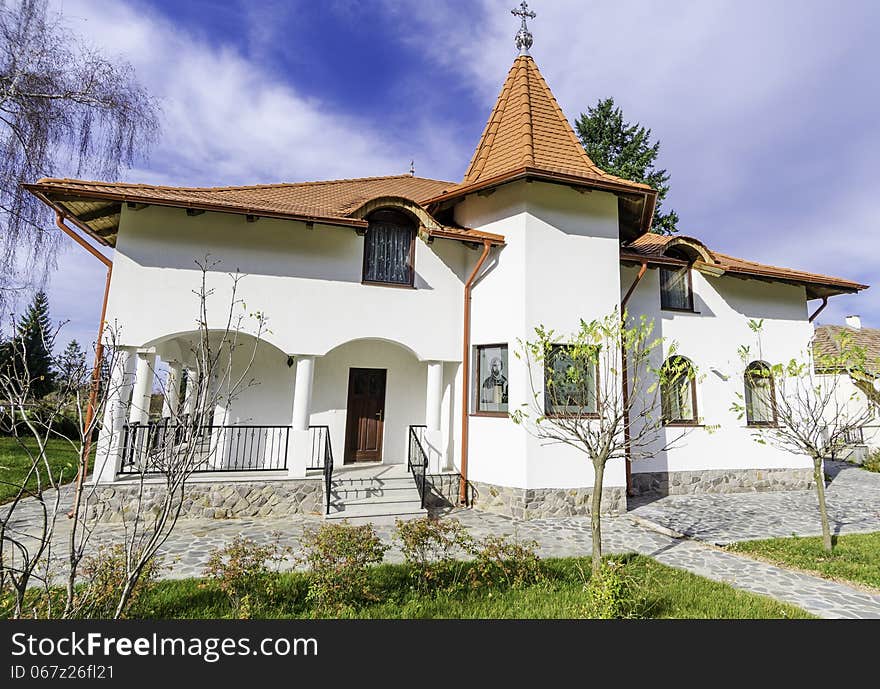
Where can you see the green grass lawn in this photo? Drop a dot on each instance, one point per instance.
(15, 463)
(663, 592)
(856, 557)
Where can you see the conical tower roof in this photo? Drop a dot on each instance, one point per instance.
(527, 129)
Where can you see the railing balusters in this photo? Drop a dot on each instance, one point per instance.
(145, 447)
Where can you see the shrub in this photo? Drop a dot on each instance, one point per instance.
(105, 575)
(429, 547)
(611, 594)
(872, 462)
(499, 560)
(241, 571)
(338, 557)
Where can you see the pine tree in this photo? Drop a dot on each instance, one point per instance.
(626, 150)
(72, 366)
(34, 340)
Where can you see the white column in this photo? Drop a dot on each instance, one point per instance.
(172, 390)
(433, 405)
(434, 396)
(108, 454)
(143, 388)
(300, 447)
(191, 385)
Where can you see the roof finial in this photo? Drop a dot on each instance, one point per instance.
(523, 36)
(412, 168)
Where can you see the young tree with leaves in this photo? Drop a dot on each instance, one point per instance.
(64, 110)
(801, 405)
(626, 150)
(583, 396)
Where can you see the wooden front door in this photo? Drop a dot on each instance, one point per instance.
(366, 415)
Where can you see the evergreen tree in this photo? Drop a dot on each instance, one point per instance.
(626, 150)
(34, 340)
(72, 365)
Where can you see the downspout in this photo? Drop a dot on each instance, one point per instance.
(624, 370)
(99, 356)
(819, 310)
(466, 371)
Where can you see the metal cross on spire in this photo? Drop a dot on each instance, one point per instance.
(523, 36)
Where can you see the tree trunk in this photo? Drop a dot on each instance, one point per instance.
(595, 516)
(819, 477)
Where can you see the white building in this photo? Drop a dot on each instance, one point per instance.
(857, 393)
(396, 303)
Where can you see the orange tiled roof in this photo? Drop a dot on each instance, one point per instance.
(653, 247)
(98, 204)
(827, 342)
(527, 129)
(329, 199)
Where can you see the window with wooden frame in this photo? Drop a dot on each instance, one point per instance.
(760, 395)
(676, 286)
(490, 380)
(389, 249)
(678, 392)
(571, 377)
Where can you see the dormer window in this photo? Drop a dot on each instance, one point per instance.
(389, 249)
(676, 289)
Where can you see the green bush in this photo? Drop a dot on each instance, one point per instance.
(430, 547)
(872, 462)
(612, 594)
(339, 556)
(104, 578)
(241, 571)
(499, 561)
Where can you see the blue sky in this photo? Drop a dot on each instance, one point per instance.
(767, 111)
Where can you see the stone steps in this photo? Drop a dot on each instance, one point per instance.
(383, 493)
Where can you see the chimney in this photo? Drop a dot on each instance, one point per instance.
(854, 322)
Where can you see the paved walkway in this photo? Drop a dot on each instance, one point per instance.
(853, 499)
(854, 502)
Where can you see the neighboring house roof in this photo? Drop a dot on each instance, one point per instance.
(96, 206)
(528, 136)
(652, 248)
(827, 340)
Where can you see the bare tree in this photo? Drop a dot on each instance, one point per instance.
(184, 443)
(583, 396)
(164, 457)
(28, 522)
(803, 406)
(64, 108)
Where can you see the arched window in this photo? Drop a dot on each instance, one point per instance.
(389, 249)
(678, 391)
(760, 395)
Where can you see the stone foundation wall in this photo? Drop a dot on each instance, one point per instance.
(215, 500)
(722, 481)
(535, 503)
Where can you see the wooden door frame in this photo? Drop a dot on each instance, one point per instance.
(349, 452)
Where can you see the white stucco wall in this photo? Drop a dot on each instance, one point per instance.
(710, 338)
(307, 282)
(560, 264)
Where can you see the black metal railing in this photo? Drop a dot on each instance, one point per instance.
(854, 436)
(328, 471)
(417, 460)
(320, 442)
(160, 445)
